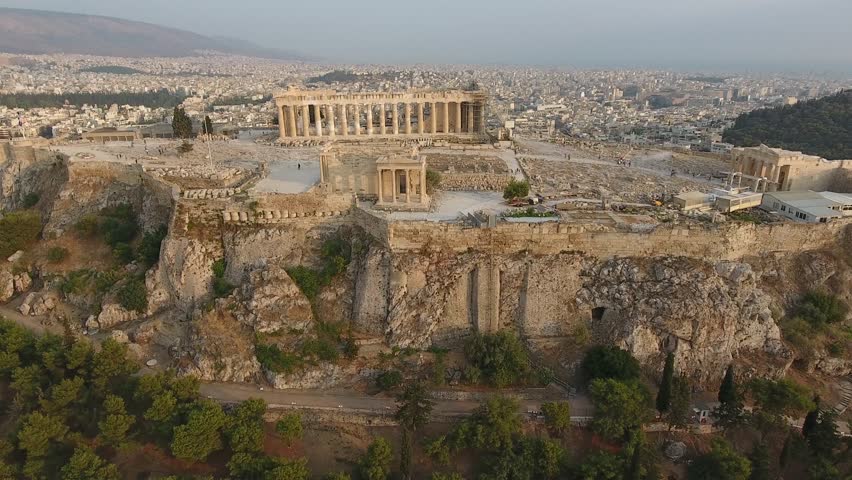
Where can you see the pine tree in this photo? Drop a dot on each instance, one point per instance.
(760, 469)
(208, 125)
(811, 418)
(664, 395)
(786, 452)
(181, 124)
(728, 390)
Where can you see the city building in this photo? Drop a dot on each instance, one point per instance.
(809, 206)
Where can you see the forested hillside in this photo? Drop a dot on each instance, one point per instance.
(818, 127)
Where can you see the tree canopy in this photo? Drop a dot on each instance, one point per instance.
(818, 127)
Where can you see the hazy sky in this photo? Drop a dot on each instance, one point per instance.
(708, 34)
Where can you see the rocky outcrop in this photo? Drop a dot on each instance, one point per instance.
(272, 302)
(39, 303)
(113, 314)
(12, 284)
(184, 274)
(706, 314)
(219, 348)
(323, 376)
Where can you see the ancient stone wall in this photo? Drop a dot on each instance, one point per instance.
(474, 181)
(726, 241)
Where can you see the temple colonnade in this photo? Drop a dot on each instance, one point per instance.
(325, 113)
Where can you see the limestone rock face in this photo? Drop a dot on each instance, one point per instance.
(219, 348)
(39, 303)
(11, 285)
(323, 376)
(113, 314)
(273, 302)
(184, 275)
(706, 314)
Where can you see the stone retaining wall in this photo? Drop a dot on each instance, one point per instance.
(728, 241)
(474, 181)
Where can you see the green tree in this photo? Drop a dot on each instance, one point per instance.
(491, 426)
(133, 295)
(782, 397)
(289, 470)
(413, 410)
(244, 427)
(680, 405)
(500, 357)
(665, 393)
(63, 397)
(375, 465)
(601, 466)
(557, 416)
(201, 434)
(620, 407)
(760, 467)
(86, 465)
(117, 422)
(208, 125)
(39, 431)
(439, 450)
(181, 124)
(337, 476)
(721, 463)
(823, 438)
(289, 428)
(111, 366)
(729, 412)
(388, 380)
(516, 189)
(609, 362)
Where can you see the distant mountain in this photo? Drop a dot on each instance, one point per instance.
(40, 32)
(817, 127)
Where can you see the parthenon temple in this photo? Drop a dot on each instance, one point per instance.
(326, 114)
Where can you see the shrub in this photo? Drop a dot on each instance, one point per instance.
(123, 253)
(822, 308)
(57, 254)
(133, 295)
(389, 379)
(184, 147)
(289, 427)
(221, 287)
(18, 230)
(516, 189)
(500, 357)
(87, 225)
(323, 349)
(149, 249)
(30, 200)
(306, 279)
(433, 181)
(609, 362)
(273, 359)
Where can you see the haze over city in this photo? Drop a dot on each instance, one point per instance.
(718, 35)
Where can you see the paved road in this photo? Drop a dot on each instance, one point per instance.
(351, 400)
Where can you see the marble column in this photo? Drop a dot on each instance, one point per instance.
(344, 127)
(291, 121)
(395, 118)
(357, 123)
(329, 109)
(423, 184)
(306, 121)
(369, 119)
(458, 118)
(445, 128)
(420, 118)
(318, 119)
(282, 122)
(470, 120)
(407, 185)
(382, 118)
(407, 118)
(393, 184)
(379, 187)
(433, 117)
